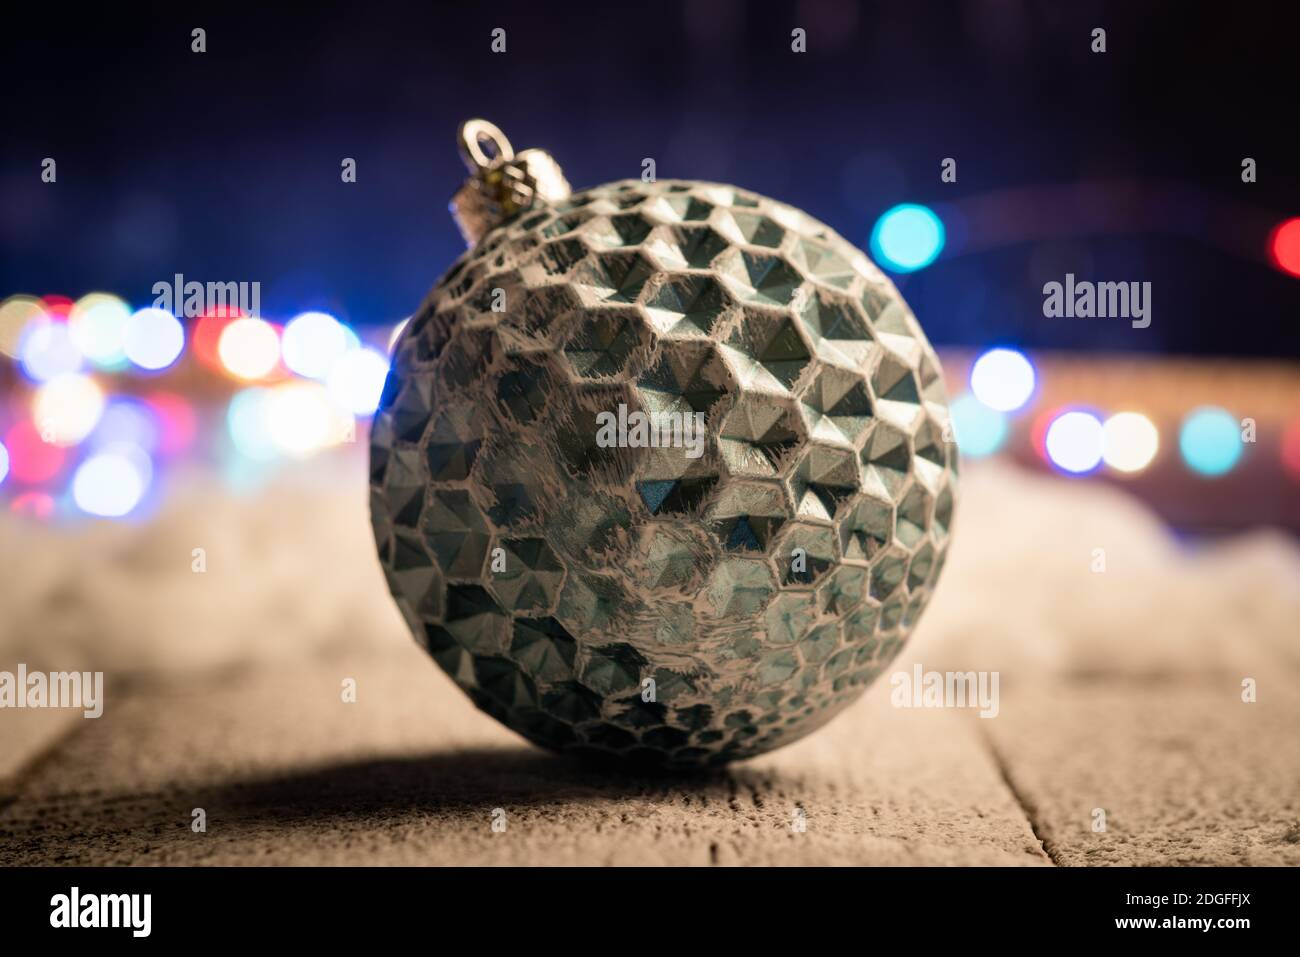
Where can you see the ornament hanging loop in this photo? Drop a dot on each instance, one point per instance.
(472, 136)
(502, 184)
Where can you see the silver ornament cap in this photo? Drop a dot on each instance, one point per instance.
(502, 184)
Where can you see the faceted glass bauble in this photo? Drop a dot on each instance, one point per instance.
(680, 602)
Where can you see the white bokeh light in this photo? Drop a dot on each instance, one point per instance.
(302, 418)
(1129, 441)
(1074, 442)
(313, 342)
(154, 339)
(112, 482)
(67, 408)
(1002, 379)
(98, 323)
(249, 348)
(47, 350)
(357, 380)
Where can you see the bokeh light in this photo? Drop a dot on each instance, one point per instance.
(16, 313)
(302, 419)
(1074, 442)
(907, 237)
(1003, 379)
(154, 339)
(1210, 441)
(32, 460)
(56, 307)
(1129, 441)
(4, 463)
(67, 408)
(46, 350)
(248, 420)
(98, 323)
(33, 504)
(128, 421)
(112, 482)
(249, 348)
(313, 342)
(1284, 246)
(1291, 449)
(357, 380)
(177, 421)
(205, 336)
(979, 430)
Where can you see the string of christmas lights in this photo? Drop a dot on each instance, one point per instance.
(97, 399)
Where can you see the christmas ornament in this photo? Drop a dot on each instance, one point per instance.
(661, 468)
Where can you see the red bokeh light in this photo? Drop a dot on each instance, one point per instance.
(33, 504)
(179, 423)
(1284, 246)
(1038, 430)
(1291, 450)
(56, 307)
(207, 333)
(32, 460)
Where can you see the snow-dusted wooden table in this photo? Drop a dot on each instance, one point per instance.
(1120, 702)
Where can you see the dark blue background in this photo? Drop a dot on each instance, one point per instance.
(225, 165)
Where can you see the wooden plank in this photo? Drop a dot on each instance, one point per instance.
(26, 734)
(1185, 771)
(412, 774)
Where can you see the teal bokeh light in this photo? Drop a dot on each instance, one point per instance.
(1210, 441)
(907, 237)
(979, 430)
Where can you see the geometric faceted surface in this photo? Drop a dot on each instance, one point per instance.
(679, 598)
